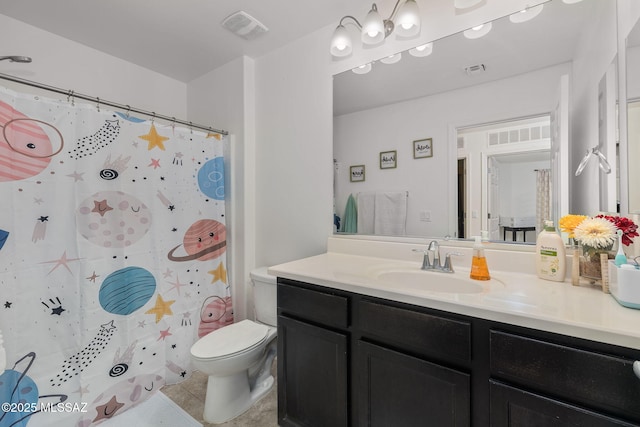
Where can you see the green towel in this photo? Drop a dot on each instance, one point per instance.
(350, 223)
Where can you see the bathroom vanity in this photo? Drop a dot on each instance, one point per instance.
(355, 350)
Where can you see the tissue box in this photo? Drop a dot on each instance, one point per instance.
(624, 285)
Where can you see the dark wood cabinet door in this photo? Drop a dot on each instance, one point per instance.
(312, 375)
(394, 389)
(513, 407)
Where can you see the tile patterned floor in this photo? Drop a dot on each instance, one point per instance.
(189, 395)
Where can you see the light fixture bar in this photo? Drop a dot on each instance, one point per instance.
(374, 29)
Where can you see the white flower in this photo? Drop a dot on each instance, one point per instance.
(596, 233)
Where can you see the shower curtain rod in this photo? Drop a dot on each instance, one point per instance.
(127, 108)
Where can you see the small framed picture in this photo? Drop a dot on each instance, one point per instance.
(423, 148)
(356, 173)
(388, 159)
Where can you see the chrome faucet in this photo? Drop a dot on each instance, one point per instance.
(428, 264)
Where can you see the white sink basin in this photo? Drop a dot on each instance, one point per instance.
(434, 281)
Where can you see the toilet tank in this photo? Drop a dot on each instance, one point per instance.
(264, 296)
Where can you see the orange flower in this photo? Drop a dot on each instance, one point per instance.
(568, 223)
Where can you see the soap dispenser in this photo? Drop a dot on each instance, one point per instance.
(479, 268)
(550, 254)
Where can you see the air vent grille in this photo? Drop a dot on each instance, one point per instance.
(244, 25)
(474, 69)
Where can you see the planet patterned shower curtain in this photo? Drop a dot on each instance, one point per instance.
(112, 257)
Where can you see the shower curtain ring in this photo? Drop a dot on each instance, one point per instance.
(128, 110)
(153, 117)
(191, 127)
(173, 123)
(98, 104)
(70, 98)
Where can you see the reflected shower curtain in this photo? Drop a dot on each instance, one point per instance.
(543, 198)
(112, 257)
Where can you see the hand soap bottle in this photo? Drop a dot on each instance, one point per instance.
(479, 269)
(550, 254)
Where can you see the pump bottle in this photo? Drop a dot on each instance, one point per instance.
(550, 254)
(479, 268)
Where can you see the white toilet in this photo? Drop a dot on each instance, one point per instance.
(238, 357)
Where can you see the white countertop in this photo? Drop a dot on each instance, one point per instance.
(510, 297)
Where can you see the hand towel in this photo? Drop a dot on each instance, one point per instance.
(350, 223)
(390, 217)
(366, 203)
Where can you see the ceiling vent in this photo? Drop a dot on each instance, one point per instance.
(244, 25)
(474, 69)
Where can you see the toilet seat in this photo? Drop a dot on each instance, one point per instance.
(230, 341)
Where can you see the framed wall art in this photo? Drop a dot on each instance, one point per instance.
(356, 173)
(423, 148)
(388, 159)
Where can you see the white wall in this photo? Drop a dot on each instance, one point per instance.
(431, 180)
(65, 64)
(226, 97)
(293, 152)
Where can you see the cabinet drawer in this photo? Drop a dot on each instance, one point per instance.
(514, 407)
(602, 381)
(420, 332)
(316, 306)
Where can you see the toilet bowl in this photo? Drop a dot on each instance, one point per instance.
(237, 358)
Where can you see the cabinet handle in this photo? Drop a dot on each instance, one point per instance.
(636, 368)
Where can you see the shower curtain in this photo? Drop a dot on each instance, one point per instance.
(112, 257)
(543, 198)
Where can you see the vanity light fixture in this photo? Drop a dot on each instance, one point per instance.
(478, 31)
(525, 14)
(405, 21)
(422, 50)
(362, 69)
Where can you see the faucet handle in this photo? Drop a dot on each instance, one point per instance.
(448, 267)
(426, 264)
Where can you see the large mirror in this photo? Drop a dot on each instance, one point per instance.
(476, 135)
(633, 117)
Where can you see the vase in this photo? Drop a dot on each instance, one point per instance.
(590, 261)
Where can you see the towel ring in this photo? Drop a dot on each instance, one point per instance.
(602, 161)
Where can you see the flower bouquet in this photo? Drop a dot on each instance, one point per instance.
(595, 237)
